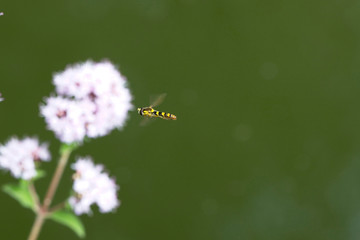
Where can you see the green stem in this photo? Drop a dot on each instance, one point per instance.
(35, 230)
(34, 196)
(56, 178)
(43, 210)
(57, 207)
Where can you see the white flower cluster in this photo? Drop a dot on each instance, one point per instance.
(92, 185)
(92, 100)
(19, 156)
(1, 99)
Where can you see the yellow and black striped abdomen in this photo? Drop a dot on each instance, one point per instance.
(164, 115)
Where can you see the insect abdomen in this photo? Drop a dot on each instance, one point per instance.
(164, 115)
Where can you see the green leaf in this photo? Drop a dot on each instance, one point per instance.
(21, 193)
(69, 219)
(39, 174)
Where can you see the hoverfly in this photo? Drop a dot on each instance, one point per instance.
(150, 112)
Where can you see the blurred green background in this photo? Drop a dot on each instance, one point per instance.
(267, 141)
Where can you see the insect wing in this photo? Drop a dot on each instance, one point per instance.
(146, 121)
(157, 100)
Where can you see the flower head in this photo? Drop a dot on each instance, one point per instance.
(93, 100)
(19, 156)
(1, 99)
(92, 185)
(67, 118)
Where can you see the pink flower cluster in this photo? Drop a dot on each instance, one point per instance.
(19, 156)
(92, 99)
(92, 185)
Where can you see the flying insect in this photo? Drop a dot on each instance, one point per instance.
(150, 112)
